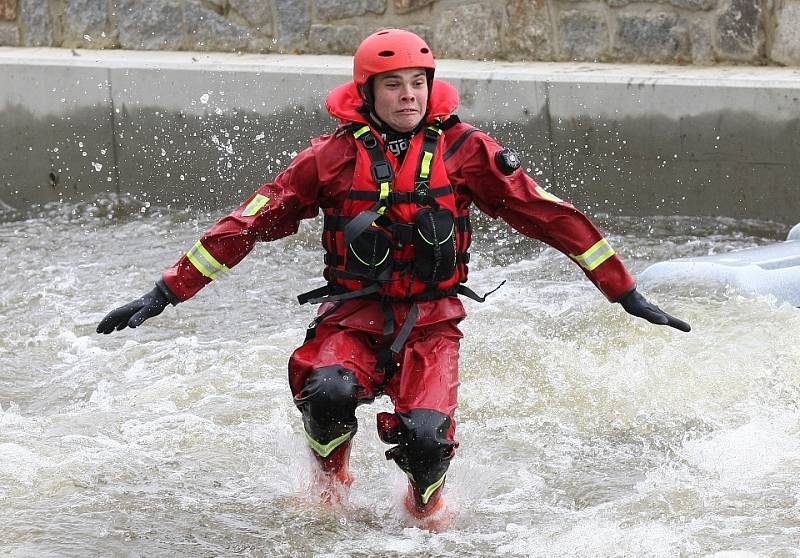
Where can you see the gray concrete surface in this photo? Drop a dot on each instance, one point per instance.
(182, 128)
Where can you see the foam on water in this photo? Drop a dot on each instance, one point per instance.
(583, 431)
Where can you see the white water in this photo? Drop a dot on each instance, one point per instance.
(584, 431)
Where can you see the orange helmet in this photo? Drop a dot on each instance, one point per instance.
(391, 49)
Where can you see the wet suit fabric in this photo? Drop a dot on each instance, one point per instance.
(427, 373)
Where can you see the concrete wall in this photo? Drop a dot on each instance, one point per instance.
(204, 130)
(655, 31)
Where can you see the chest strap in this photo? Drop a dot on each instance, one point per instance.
(383, 175)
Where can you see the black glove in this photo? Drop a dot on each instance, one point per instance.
(134, 313)
(637, 305)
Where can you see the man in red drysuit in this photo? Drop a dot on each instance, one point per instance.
(395, 183)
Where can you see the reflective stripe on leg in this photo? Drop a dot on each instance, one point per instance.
(425, 496)
(324, 450)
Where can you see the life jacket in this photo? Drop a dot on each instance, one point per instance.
(399, 235)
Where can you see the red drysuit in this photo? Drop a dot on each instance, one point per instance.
(320, 177)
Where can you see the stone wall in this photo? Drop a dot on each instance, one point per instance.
(648, 31)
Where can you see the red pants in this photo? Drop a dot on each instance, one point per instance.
(427, 373)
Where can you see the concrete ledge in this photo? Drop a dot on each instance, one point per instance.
(205, 129)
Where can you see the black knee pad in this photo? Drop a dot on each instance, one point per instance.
(423, 449)
(328, 402)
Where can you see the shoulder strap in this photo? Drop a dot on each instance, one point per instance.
(422, 185)
(380, 168)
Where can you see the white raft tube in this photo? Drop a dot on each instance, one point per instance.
(765, 270)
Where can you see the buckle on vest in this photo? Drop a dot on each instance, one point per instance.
(381, 171)
(369, 141)
(403, 233)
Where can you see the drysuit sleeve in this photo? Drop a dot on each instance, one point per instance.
(496, 182)
(273, 211)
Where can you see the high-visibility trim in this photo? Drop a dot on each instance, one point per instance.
(360, 132)
(324, 450)
(255, 205)
(452, 232)
(425, 166)
(547, 195)
(385, 189)
(204, 261)
(594, 256)
(378, 264)
(425, 496)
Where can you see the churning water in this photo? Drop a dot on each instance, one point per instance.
(584, 431)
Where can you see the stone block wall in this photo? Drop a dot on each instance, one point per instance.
(764, 32)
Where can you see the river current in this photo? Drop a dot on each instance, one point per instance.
(584, 431)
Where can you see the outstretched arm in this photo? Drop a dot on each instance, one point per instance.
(272, 212)
(499, 187)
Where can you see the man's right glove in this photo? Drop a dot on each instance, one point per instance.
(637, 305)
(134, 313)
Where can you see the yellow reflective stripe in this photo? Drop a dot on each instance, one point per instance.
(204, 261)
(430, 490)
(367, 263)
(360, 132)
(435, 129)
(594, 256)
(425, 166)
(255, 205)
(325, 450)
(384, 190)
(452, 231)
(547, 195)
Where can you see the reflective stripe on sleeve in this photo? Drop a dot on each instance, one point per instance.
(255, 205)
(595, 255)
(204, 261)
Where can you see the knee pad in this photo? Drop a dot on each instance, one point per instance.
(328, 402)
(423, 450)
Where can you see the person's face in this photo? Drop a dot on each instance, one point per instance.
(401, 97)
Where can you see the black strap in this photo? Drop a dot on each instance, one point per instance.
(385, 358)
(311, 331)
(469, 293)
(450, 122)
(313, 294)
(349, 295)
(422, 184)
(380, 168)
(405, 329)
(332, 293)
(400, 197)
(461, 139)
(358, 225)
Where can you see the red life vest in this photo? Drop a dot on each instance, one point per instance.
(399, 233)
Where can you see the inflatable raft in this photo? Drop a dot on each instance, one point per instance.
(765, 270)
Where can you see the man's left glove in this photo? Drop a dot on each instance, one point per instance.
(637, 305)
(134, 313)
